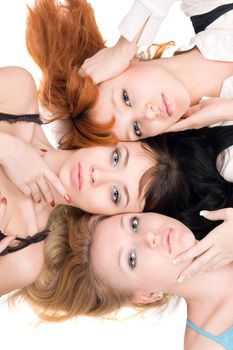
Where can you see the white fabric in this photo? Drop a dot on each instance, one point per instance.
(151, 13)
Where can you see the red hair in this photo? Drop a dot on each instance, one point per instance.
(59, 38)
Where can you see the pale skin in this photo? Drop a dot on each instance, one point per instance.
(151, 96)
(106, 187)
(105, 183)
(186, 75)
(137, 258)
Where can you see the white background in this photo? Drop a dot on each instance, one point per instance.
(18, 326)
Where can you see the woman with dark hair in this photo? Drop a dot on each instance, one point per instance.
(100, 179)
(145, 175)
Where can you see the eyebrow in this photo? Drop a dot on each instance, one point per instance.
(125, 165)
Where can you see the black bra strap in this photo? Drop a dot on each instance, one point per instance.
(24, 242)
(30, 118)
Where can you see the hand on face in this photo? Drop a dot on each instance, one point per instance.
(214, 110)
(33, 177)
(8, 239)
(138, 251)
(213, 251)
(110, 61)
(144, 100)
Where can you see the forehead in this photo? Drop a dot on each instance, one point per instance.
(107, 238)
(139, 162)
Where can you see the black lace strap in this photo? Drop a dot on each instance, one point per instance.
(24, 242)
(30, 118)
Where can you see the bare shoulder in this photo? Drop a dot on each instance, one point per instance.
(21, 268)
(18, 93)
(194, 341)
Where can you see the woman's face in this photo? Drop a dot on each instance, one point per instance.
(138, 251)
(105, 180)
(145, 100)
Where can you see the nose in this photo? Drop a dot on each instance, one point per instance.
(151, 239)
(99, 176)
(150, 111)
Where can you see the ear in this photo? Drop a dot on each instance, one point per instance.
(144, 298)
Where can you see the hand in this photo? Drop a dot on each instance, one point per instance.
(205, 113)
(7, 240)
(213, 251)
(28, 172)
(110, 61)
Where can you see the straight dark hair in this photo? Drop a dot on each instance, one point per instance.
(186, 178)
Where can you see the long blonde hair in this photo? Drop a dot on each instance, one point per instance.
(68, 285)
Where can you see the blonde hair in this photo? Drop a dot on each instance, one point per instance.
(68, 285)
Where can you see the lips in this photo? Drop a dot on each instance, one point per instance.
(76, 176)
(168, 240)
(166, 105)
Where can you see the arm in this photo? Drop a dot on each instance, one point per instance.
(27, 170)
(18, 95)
(138, 28)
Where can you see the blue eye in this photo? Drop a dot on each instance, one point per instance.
(116, 195)
(137, 129)
(116, 156)
(126, 98)
(134, 222)
(132, 259)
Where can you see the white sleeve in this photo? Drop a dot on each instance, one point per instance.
(147, 13)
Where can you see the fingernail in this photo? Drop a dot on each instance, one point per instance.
(43, 150)
(52, 203)
(204, 212)
(67, 198)
(176, 261)
(180, 279)
(4, 200)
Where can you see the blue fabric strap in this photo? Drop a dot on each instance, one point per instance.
(225, 339)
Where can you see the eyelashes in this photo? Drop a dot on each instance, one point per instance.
(115, 159)
(116, 195)
(134, 222)
(125, 98)
(136, 127)
(132, 259)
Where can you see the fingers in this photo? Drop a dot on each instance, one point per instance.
(4, 243)
(193, 109)
(46, 191)
(218, 263)
(7, 240)
(198, 265)
(3, 204)
(195, 251)
(220, 214)
(35, 191)
(56, 183)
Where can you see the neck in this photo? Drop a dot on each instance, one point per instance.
(195, 71)
(209, 288)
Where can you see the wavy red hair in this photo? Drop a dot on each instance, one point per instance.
(59, 38)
